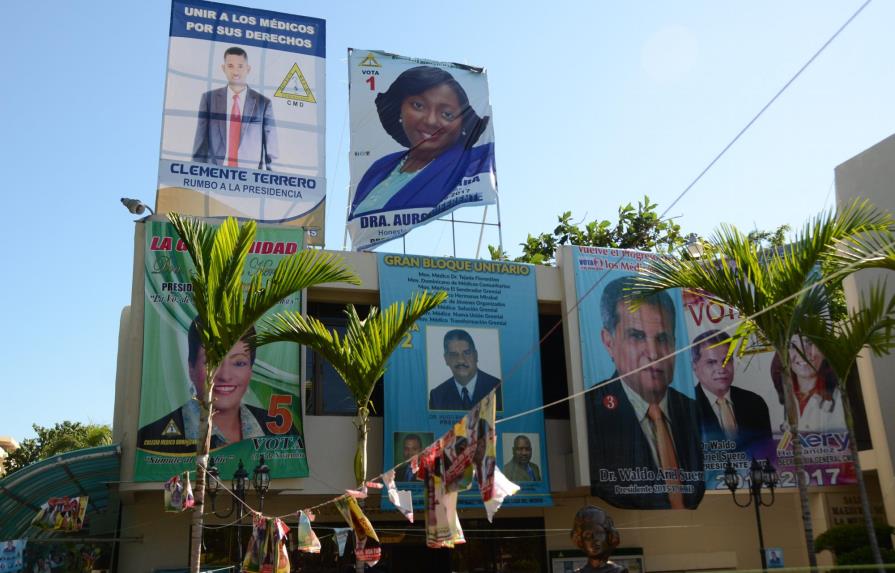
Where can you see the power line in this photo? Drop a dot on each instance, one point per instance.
(765, 108)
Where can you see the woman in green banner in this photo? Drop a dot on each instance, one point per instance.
(234, 421)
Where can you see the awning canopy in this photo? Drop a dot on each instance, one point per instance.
(80, 472)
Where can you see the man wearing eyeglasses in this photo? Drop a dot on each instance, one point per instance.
(468, 385)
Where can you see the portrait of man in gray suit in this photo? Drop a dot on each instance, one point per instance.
(236, 127)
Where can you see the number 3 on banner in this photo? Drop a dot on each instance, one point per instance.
(372, 81)
(279, 408)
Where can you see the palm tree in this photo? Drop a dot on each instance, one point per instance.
(872, 325)
(769, 288)
(226, 309)
(360, 355)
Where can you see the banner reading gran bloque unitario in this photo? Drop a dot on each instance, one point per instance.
(484, 336)
(256, 395)
(243, 130)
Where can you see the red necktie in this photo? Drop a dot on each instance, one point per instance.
(235, 128)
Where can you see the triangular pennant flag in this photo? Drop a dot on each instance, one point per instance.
(254, 555)
(458, 454)
(279, 534)
(401, 499)
(366, 542)
(173, 495)
(442, 523)
(188, 499)
(501, 488)
(307, 539)
(357, 493)
(267, 551)
(341, 535)
(494, 485)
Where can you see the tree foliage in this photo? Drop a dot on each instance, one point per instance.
(62, 437)
(636, 228)
(850, 543)
(360, 355)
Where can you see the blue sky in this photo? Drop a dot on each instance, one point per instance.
(595, 104)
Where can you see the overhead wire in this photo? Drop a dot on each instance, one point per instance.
(765, 107)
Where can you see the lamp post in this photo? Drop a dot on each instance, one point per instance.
(760, 475)
(238, 486)
(261, 480)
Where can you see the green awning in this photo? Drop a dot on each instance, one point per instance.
(81, 472)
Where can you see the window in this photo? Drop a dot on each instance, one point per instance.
(327, 394)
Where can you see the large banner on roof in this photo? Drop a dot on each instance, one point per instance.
(484, 336)
(422, 143)
(660, 431)
(243, 129)
(257, 395)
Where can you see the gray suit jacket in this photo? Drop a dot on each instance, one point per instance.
(257, 138)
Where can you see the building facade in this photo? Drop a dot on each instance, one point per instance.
(717, 535)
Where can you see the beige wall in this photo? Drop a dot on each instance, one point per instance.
(871, 175)
(718, 535)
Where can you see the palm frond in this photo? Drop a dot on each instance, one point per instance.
(360, 356)
(225, 307)
(875, 250)
(292, 274)
(768, 286)
(871, 325)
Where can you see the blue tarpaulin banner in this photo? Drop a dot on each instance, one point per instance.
(485, 335)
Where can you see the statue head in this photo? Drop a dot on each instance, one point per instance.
(594, 533)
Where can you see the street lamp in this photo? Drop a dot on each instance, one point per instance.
(694, 247)
(240, 479)
(136, 206)
(760, 474)
(261, 480)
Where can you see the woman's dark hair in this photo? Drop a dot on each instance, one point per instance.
(826, 379)
(414, 82)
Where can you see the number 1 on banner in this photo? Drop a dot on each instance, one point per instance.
(372, 81)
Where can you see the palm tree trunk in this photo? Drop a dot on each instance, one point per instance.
(859, 476)
(203, 446)
(360, 465)
(360, 455)
(792, 418)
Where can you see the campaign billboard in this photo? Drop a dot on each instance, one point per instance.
(257, 396)
(244, 116)
(483, 337)
(422, 143)
(741, 404)
(713, 409)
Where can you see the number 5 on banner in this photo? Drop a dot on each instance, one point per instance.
(279, 408)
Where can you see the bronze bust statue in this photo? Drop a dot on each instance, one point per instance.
(595, 534)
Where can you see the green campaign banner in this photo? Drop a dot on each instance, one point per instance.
(257, 395)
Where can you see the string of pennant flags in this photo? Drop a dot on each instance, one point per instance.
(466, 454)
